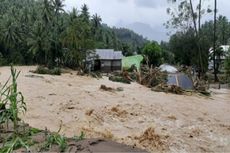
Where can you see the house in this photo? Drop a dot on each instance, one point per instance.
(222, 57)
(108, 60)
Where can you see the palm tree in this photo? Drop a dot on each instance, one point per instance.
(47, 12)
(10, 33)
(36, 43)
(85, 13)
(96, 21)
(58, 6)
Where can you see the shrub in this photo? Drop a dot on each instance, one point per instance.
(45, 70)
(227, 66)
(119, 79)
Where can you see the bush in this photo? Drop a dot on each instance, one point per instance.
(119, 79)
(45, 70)
(227, 67)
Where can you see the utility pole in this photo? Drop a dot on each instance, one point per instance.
(214, 43)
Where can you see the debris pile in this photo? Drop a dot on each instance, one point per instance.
(168, 89)
(117, 111)
(149, 77)
(105, 88)
(96, 74)
(151, 138)
(157, 80)
(122, 77)
(152, 77)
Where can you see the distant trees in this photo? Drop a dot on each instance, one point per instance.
(168, 55)
(41, 32)
(183, 46)
(124, 36)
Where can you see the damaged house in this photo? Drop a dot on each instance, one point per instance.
(107, 60)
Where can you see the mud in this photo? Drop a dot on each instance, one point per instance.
(137, 116)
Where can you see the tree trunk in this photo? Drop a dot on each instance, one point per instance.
(193, 17)
(199, 19)
(197, 32)
(214, 43)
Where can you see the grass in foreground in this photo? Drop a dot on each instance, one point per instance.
(14, 134)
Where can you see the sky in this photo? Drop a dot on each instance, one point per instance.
(145, 17)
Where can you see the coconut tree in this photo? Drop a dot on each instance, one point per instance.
(36, 43)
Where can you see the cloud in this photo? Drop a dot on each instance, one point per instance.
(149, 3)
(126, 12)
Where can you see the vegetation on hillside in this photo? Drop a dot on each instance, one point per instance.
(42, 32)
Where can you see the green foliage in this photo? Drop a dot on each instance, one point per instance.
(33, 131)
(168, 55)
(186, 20)
(119, 79)
(41, 32)
(10, 96)
(129, 41)
(185, 49)
(79, 138)
(11, 104)
(2, 60)
(153, 54)
(44, 70)
(227, 66)
(15, 143)
(55, 138)
(183, 46)
(186, 14)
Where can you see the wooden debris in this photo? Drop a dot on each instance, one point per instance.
(105, 88)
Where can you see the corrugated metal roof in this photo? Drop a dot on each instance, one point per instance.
(109, 54)
(117, 55)
(181, 80)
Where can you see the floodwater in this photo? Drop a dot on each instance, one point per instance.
(136, 116)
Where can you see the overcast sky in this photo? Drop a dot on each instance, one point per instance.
(127, 13)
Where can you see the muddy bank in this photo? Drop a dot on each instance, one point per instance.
(135, 116)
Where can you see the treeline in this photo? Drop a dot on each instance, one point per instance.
(42, 32)
(192, 41)
(183, 43)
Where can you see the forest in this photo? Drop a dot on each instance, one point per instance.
(197, 40)
(42, 32)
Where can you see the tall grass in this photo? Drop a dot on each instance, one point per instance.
(11, 104)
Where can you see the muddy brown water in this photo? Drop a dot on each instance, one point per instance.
(136, 116)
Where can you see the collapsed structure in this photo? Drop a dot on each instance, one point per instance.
(177, 78)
